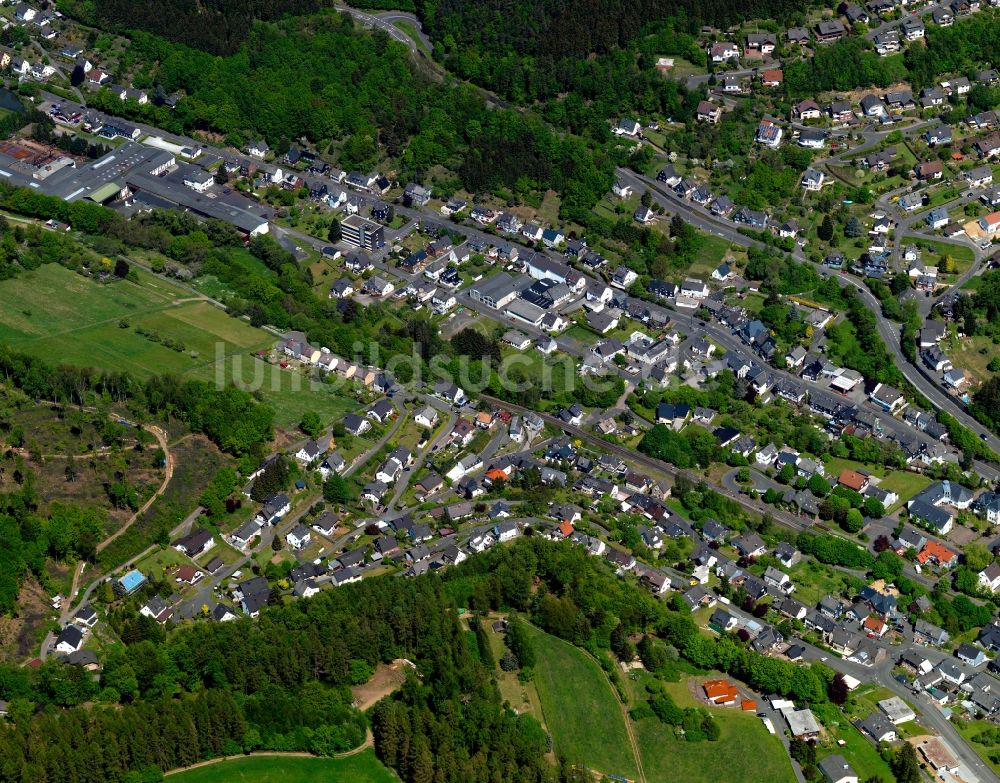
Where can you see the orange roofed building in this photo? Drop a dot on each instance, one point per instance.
(934, 552)
(772, 78)
(721, 692)
(852, 479)
(496, 474)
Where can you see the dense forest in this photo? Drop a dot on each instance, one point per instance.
(215, 26)
(230, 417)
(851, 63)
(234, 419)
(846, 65)
(539, 46)
(970, 43)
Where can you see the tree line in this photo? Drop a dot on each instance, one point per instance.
(232, 418)
(280, 683)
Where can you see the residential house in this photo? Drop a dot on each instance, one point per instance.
(274, 508)
(813, 179)
(806, 110)
(970, 655)
(929, 170)
(723, 51)
(878, 728)
(769, 134)
(707, 112)
(835, 769)
(830, 30)
(196, 543)
(750, 545)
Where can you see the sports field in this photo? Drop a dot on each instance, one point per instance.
(362, 768)
(68, 318)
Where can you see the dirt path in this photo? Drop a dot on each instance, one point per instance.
(104, 451)
(368, 743)
(161, 438)
(77, 573)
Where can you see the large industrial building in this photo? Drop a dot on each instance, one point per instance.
(134, 177)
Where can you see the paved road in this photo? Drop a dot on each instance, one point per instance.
(758, 482)
(783, 518)
(444, 432)
(882, 675)
(384, 22)
(885, 26)
(393, 17)
(889, 332)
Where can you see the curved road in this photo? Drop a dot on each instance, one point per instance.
(386, 23)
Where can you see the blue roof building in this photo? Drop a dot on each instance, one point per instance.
(132, 581)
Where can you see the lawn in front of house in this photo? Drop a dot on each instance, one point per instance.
(904, 484)
(713, 250)
(972, 732)
(972, 353)
(815, 581)
(157, 564)
(287, 391)
(962, 254)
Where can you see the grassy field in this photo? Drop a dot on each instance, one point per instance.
(962, 254)
(713, 250)
(288, 392)
(522, 697)
(90, 324)
(586, 720)
(84, 322)
(362, 768)
(972, 354)
(970, 731)
(902, 482)
(814, 581)
(548, 212)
